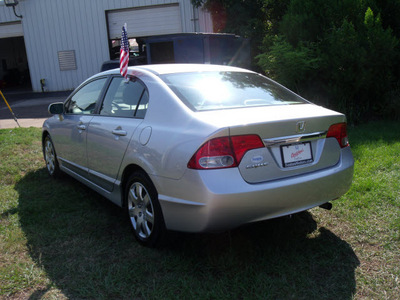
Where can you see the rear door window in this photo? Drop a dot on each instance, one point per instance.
(125, 98)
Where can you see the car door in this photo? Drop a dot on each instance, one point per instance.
(71, 132)
(110, 132)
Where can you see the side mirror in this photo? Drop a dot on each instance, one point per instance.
(56, 108)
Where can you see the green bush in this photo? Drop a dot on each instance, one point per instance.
(287, 64)
(344, 54)
(342, 48)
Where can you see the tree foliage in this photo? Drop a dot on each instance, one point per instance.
(344, 49)
(249, 19)
(342, 53)
(289, 64)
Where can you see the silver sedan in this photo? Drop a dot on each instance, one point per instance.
(198, 147)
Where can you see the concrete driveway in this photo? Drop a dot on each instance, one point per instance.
(29, 108)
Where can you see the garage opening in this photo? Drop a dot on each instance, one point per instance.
(141, 22)
(14, 70)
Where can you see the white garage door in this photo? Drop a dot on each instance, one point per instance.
(160, 19)
(11, 29)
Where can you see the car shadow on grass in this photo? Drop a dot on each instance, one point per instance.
(86, 248)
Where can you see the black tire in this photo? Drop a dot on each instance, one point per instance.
(50, 157)
(144, 211)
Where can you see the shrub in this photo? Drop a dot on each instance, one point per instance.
(340, 46)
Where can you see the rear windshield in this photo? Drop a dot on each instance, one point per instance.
(222, 90)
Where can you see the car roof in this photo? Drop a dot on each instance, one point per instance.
(160, 69)
(183, 68)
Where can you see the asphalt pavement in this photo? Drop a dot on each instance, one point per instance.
(29, 108)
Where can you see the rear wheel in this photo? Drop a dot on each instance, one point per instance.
(50, 157)
(144, 210)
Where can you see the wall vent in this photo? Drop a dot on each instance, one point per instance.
(67, 60)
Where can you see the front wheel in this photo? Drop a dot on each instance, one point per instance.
(144, 210)
(50, 157)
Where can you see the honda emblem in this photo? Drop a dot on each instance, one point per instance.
(300, 126)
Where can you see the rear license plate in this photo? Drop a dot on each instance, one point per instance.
(296, 154)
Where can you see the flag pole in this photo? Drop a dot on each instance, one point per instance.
(15, 118)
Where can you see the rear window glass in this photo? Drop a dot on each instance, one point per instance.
(222, 90)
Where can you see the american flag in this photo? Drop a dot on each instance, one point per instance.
(124, 53)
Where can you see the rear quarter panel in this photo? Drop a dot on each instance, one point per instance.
(169, 135)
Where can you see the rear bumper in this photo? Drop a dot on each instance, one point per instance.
(212, 200)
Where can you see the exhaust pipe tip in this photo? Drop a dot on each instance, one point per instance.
(327, 206)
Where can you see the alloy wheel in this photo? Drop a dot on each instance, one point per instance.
(50, 157)
(141, 211)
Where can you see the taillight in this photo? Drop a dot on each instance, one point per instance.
(224, 152)
(339, 132)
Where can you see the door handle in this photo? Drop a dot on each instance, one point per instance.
(119, 132)
(81, 126)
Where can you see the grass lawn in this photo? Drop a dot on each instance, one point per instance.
(60, 240)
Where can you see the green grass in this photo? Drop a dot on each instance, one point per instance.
(60, 240)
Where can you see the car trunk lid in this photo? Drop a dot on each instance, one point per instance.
(294, 137)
